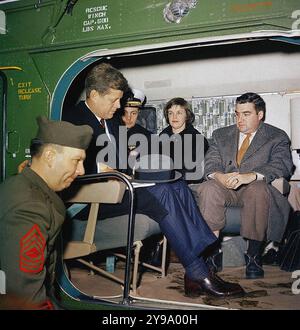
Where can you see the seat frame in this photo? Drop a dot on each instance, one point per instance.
(112, 192)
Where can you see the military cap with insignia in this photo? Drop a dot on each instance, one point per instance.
(64, 133)
(135, 98)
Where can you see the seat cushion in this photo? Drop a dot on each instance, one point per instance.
(112, 233)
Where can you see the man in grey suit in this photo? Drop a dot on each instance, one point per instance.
(241, 162)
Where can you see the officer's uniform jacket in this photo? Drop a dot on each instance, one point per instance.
(31, 216)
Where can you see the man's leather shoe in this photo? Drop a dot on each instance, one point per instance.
(212, 285)
(254, 268)
(215, 261)
(229, 285)
(271, 258)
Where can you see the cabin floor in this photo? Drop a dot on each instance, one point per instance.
(272, 292)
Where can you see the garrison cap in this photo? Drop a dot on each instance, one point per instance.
(64, 133)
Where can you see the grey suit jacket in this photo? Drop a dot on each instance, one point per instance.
(269, 154)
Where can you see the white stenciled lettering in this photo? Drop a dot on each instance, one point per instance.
(102, 20)
(87, 23)
(96, 19)
(97, 15)
(103, 27)
(96, 9)
(87, 29)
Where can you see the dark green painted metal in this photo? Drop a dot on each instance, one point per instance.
(140, 21)
(3, 94)
(27, 97)
(47, 43)
(64, 84)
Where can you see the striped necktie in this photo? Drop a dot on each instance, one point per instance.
(243, 149)
(102, 123)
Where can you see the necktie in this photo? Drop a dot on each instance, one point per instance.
(102, 123)
(243, 149)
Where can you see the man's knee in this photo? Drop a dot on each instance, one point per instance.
(160, 188)
(209, 189)
(257, 189)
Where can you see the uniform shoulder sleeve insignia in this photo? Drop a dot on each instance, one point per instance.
(32, 251)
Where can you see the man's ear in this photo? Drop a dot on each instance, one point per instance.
(49, 155)
(93, 94)
(260, 115)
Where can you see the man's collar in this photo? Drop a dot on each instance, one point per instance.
(99, 118)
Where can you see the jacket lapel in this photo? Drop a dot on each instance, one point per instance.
(232, 140)
(258, 141)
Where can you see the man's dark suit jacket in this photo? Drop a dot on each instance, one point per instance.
(145, 202)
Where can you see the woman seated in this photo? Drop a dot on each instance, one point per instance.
(188, 145)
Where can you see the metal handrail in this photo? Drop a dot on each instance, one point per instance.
(131, 221)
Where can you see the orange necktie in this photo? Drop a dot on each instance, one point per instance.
(243, 149)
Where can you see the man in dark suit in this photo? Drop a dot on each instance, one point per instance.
(242, 161)
(171, 205)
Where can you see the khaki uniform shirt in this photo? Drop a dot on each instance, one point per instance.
(31, 216)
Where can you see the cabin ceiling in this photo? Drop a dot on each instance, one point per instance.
(262, 66)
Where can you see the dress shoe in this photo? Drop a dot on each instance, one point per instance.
(152, 252)
(254, 268)
(215, 261)
(212, 285)
(271, 258)
(229, 285)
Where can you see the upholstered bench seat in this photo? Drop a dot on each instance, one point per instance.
(112, 233)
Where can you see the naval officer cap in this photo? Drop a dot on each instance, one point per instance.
(135, 98)
(64, 133)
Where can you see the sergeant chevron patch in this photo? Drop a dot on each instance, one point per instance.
(32, 251)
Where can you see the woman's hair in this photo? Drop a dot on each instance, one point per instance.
(190, 117)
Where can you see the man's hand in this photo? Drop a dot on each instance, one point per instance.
(102, 168)
(237, 180)
(234, 180)
(23, 165)
(224, 179)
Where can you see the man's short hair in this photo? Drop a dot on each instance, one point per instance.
(254, 98)
(103, 77)
(190, 117)
(37, 146)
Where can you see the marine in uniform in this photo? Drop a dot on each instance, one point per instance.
(32, 214)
